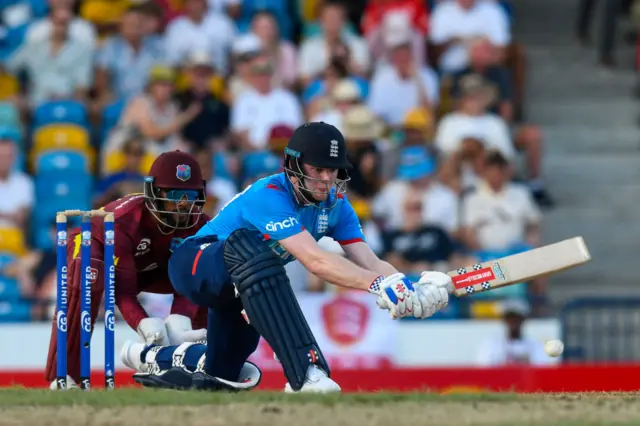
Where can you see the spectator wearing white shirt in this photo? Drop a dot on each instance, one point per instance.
(16, 187)
(403, 84)
(202, 30)
(244, 50)
(454, 24)
(471, 119)
(513, 348)
(59, 67)
(417, 172)
(257, 110)
(499, 216)
(316, 52)
(79, 29)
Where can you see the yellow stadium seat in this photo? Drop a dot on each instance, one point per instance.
(114, 162)
(62, 136)
(9, 86)
(12, 241)
(362, 209)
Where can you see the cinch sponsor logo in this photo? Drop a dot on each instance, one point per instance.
(473, 277)
(277, 226)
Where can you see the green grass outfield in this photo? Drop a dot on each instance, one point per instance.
(162, 407)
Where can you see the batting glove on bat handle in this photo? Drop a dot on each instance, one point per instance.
(437, 279)
(396, 294)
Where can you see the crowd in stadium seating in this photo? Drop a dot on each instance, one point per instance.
(429, 96)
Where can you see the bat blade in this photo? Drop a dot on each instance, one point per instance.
(520, 267)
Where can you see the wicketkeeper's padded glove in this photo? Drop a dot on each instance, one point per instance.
(180, 330)
(153, 331)
(397, 294)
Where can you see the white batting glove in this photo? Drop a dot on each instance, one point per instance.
(153, 331)
(180, 330)
(397, 294)
(433, 290)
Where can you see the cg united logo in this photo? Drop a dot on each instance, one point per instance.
(110, 320)
(85, 319)
(61, 321)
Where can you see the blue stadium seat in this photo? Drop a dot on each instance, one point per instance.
(15, 312)
(220, 166)
(56, 112)
(62, 163)
(111, 116)
(13, 39)
(63, 187)
(9, 289)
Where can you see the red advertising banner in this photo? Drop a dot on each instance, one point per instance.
(352, 332)
(574, 378)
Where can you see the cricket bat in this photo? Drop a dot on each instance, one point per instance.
(520, 267)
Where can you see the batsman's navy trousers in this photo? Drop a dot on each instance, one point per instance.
(198, 272)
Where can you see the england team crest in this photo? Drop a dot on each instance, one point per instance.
(183, 172)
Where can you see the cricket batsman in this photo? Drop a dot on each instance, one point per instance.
(235, 266)
(146, 226)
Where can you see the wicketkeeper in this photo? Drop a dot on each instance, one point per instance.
(146, 227)
(235, 266)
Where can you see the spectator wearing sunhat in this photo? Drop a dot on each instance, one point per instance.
(362, 131)
(244, 50)
(344, 95)
(211, 125)
(513, 347)
(417, 172)
(403, 84)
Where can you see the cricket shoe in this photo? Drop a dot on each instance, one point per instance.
(317, 381)
(71, 384)
(149, 374)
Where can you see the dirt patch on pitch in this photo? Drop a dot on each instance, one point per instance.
(570, 410)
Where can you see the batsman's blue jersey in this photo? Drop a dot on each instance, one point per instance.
(269, 206)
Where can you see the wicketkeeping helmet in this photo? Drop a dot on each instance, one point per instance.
(175, 177)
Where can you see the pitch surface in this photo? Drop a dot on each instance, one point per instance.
(145, 407)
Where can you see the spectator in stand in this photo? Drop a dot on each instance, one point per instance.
(152, 20)
(258, 109)
(155, 115)
(211, 125)
(513, 348)
(16, 187)
(402, 16)
(104, 15)
(402, 85)
(362, 130)
(344, 95)
(471, 119)
(454, 24)
(200, 29)
(500, 218)
(417, 172)
(126, 180)
(418, 129)
(279, 138)
(463, 169)
(418, 246)
(246, 48)
(79, 29)
(316, 52)
(124, 61)
(527, 137)
(58, 67)
(283, 53)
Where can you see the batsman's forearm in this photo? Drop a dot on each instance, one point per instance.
(342, 272)
(131, 309)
